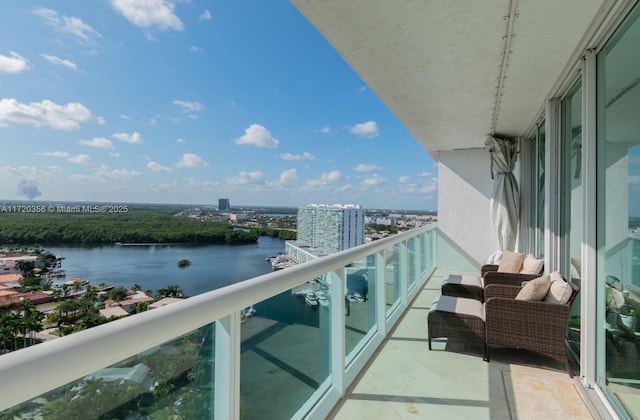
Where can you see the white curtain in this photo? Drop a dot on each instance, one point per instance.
(505, 209)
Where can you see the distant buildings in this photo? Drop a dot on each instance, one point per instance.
(223, 204)
(330, 228)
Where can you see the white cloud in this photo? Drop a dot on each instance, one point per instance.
(46, 112)
(367, 129)
(105, 171)
(288, 177)
(29, 171)
(190, 160)
(367, 168)
(404, 179)
(196, 183)
(304, 156)
(326, 129)
(114, 154)
(149, 13)
(373, 180)
(180, 140)
(152, 121)
(324, 180)
(248, 178)
(128, 138)
(125, 117)
(70, 25)
(206, 15)
(258, 136)
(196, 49)
(13, 63)
(362, 89)
(98, 143)
(156, 167)
(60, 62)
(80, 159)
(189, 106)
(101, 120)
(57, 153)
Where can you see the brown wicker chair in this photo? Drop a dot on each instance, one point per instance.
(473, 287)
(530, 325)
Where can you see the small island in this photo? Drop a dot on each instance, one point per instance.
(184, 263)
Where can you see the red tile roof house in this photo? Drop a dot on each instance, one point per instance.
(129, 304)
(37, 298)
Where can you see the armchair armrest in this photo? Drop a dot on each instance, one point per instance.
(501, 290)
(515, 279)
(488, 267)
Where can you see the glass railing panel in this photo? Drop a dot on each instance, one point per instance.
(360, 305)
(173, 380)
(392, 277)
(423, 238)
(285, 351)
(412, 273)
(431, 250)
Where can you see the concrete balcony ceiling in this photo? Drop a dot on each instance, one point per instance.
(455, 71)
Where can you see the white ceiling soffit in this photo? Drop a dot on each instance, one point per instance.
(437, 64)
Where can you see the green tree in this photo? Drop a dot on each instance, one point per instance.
(118, 293)
(26, 267)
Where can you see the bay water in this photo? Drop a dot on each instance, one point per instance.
(156, 266)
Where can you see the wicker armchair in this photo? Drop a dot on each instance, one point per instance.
(531, 325)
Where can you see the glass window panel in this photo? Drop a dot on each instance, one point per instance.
(540, 173)
(572, 193)
(618, 212)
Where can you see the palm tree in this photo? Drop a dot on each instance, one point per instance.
(65, 290)
(174, 290)
(77, 286)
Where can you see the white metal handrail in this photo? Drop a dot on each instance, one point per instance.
(58, 362)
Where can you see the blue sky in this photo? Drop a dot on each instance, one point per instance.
(189, 101)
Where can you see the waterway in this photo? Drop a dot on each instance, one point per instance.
(155, 266)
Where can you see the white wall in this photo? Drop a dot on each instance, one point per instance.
(464, 191)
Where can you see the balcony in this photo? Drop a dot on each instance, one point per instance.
(355, 346)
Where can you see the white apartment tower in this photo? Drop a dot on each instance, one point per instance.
(330, 228)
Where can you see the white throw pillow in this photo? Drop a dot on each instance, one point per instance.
(511, 262)
(535, 289)
(531, 265)
(559, 290)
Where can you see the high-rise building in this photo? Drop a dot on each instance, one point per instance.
(223, 204)
(330, 228)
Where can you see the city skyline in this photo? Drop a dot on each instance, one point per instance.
(188, 101)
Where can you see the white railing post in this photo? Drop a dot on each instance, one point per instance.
(227, 367)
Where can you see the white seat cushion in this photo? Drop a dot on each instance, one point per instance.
(463, 306)
(464, 279)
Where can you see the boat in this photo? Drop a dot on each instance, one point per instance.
(323, 299)
(311, 299)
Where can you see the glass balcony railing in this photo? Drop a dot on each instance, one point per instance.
(282, 345)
